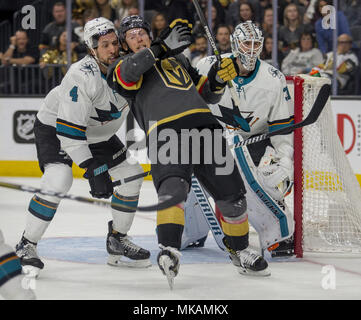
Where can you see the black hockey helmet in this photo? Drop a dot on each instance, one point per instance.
(132, 22)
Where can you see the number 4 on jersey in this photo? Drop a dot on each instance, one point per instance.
(74, 94)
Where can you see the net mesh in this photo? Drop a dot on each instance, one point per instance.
(331, 193)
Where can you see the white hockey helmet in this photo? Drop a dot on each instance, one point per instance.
(247, 44)
(95, 28)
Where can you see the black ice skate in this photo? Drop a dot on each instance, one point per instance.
(168, 262)
(284, 249)
(123, 252)
(249, 262)
(29, 259)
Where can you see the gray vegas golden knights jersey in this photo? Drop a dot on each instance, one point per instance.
(166, 93)
(84, 109)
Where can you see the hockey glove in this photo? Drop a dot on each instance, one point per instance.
(173, 40)
(99, 180)
(222, 72)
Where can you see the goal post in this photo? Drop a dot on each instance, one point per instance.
(327, 195)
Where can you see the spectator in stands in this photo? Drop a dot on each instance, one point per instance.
(216, 21)
(324, 36)
(347, 63)
(303, 58)
(103, 9)
(48, 37)
(266, 53)
(289, 34)
(82, 17)
(233, 11)
(223, 39)
(122, 8)
(267, 21)
(352, 11)
(159, 23)
(246, 12)
(201, 47)
(133, 11)
(57, 56)
(20, 51)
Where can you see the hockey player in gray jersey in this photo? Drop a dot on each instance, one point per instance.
(78, 122)
(166, 93)
(266, 166)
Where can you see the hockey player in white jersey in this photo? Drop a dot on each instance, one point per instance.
(78, 122)
(266, 166)
(13, 286)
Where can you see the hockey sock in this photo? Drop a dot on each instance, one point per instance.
(41, 213)
(170, 225)
(123, 217)
(236, 232)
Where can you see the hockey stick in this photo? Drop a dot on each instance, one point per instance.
(312, 117)
(243, 122)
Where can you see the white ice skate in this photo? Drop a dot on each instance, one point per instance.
(168, 262)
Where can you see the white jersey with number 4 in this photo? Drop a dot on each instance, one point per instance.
(265, 101)
(84, 109)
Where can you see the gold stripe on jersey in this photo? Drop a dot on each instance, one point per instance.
(235, 229)
(127, 85)
(174, 215)
(201, 82)
(177, 116)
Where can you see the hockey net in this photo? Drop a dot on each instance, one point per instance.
(327, 195)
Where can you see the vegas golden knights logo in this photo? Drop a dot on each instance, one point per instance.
(173, 74)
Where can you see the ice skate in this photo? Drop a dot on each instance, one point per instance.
(249, 262)
(30, 261)
(284, 249)
(168, 262)
(123, 252)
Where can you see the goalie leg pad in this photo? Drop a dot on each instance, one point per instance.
(196, 228)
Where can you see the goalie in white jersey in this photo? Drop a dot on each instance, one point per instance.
(78, 122)
(266, 166)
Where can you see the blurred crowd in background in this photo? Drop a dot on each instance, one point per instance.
(304, 45)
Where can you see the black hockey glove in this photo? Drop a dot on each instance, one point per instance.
(222, 72)
(99, 180)
(173, 40)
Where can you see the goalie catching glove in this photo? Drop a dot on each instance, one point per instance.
(99, 179)
(173, 40)
(221, 72)
(275, 174)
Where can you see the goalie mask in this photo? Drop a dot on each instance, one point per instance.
(247, 44)
(96, 28)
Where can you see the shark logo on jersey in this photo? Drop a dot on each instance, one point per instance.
(89, 68)
(233, 117)
(105, 115)
(275, 73)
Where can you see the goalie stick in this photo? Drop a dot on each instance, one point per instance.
(243, 122)
(312, 117)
